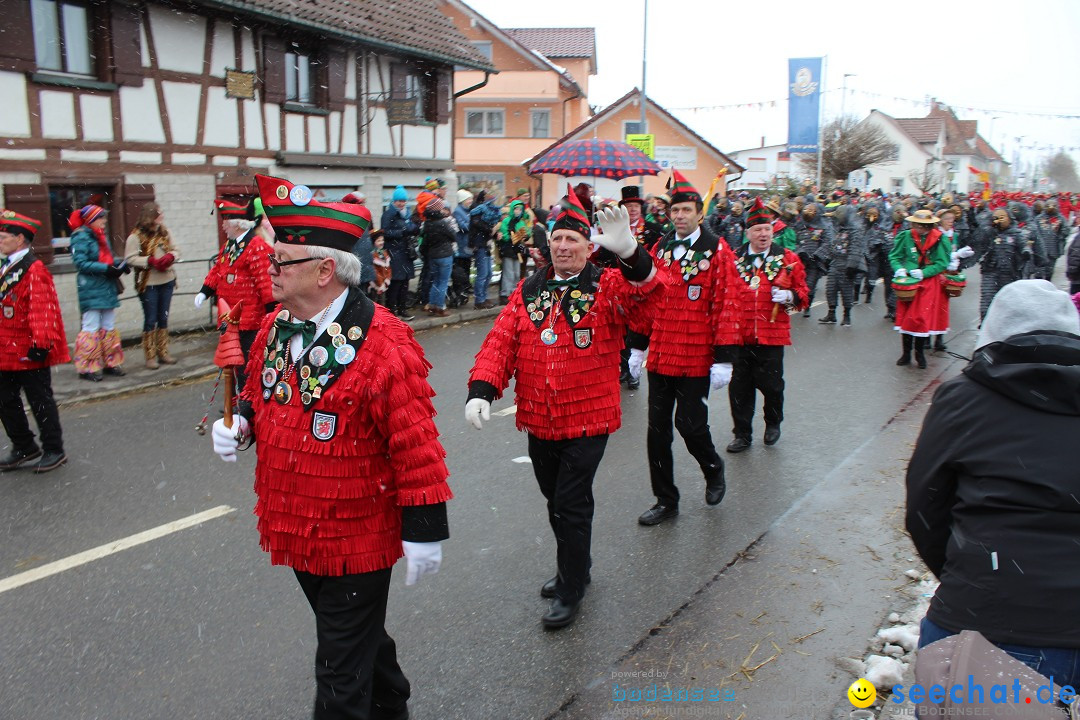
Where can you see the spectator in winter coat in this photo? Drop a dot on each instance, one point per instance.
(1072, 266)
(483, 217)
(440, 233)
(992, 487)
(400, 234)
(97, 346)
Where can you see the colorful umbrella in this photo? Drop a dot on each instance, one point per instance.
(595, 158)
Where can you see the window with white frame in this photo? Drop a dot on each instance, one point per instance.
(632, 127)
(541, 123)
(483, 47)
(62, 41)
(755, 164)
(300, 78)
(484, 123)
(894, 154)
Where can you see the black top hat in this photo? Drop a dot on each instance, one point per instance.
(631, 193)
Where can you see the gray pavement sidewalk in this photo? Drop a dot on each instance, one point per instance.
(194, 352)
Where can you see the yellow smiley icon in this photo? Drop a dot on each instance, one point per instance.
(861, 693)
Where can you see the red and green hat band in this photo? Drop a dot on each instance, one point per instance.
(14, 223)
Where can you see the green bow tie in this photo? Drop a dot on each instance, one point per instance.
(676, 242)
(560, 284)
(286, 329)
(5, 262)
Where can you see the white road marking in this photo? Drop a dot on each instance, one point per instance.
(53, 568)
(522, 459)
(508, 411)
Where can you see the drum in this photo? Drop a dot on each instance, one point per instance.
(955, 284)
(905, 288)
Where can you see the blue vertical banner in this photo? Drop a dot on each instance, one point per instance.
(804, 103)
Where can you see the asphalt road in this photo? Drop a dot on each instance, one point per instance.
(197, 624)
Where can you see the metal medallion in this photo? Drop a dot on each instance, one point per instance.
(279, 364)
(283, 393)
(305, 398)
(344, 354)
(283, 315)
(755, 282)
(318, 356)
(575, 294)
(548, 336)
(334, 329)
(355, 333)
(305, 372)
(531, 307)
(338, 341)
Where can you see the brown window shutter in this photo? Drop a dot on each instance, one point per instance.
(126, 48)
(335, 80)
(135, 196)
(442, 97)
(16, 37)
(273, 70)
(33, 201)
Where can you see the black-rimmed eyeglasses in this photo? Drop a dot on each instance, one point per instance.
(278, 264)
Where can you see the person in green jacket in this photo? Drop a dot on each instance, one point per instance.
(921, 253)
(97, 346)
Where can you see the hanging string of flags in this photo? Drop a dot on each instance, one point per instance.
(924, 103)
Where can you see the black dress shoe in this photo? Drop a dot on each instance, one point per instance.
(632, 384)
(772, 435)
(378, 713)
(624, 377)
(715, 490)
(49, 461)
(117, 371)
(738, 445)
(657, 514)
(16, 458)
(547, 590)
(91, 376)
(560, 614)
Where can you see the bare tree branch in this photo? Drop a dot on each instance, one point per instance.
(848, 145)
(1061, 169)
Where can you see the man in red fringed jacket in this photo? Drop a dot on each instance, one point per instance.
(350, 473)
(692, 337)
(32, 340)
(560, 337)
(773, 280)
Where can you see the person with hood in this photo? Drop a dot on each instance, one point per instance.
(846, 260)
(812, 230)
(717, 212)
(1006, 249)
(1035, 260)
(733, 226)
(923, 254)
(1054, 233)
(992, 485)
(483, 218)
(878, 242)
(399, 232)
(439, 232)
(1072, 266)
(97, 346)
(515, 232)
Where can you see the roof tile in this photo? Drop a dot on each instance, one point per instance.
(557, 42)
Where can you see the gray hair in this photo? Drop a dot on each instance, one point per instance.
(346, 265)
(239, 223)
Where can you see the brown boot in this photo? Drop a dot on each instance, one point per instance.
(149, 348)
(163, 347)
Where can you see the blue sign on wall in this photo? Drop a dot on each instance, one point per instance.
(804, 102)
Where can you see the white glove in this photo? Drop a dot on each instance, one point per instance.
(476, 409)
(199, 300)
(615, 222)
(953, 266)
(916, 273)
(900, 273)
(226, 440)
(783, 296)
(965, 252)
(421, 558)
(637, 359)
(719, 375)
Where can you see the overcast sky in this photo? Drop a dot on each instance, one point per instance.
(1002, 59)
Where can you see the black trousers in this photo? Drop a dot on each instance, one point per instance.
(356, 670)
(759, 367)
(37, 384)
(688, 398)
(397, 296)
(564, 471)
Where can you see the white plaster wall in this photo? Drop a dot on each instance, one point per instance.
(273, 126)
(247, 49)
(294, 132)
(182, 104)
(253, 129)
(349, 140)
(379, 132)
(97, 124)
(444, 142)
(179, 39)
(15, 118)
(139, 114)
(316, 134)
(57, 114)
(419, 142)
(223, 54)
(94, 156)
(222, 119)
(335, 130)
(350, 75)
(144, 46)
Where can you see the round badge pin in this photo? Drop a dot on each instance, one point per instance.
(283, 315)
(344, 354)
(575, 294)
(269, 377)
(318, 356)
(279, 364)
(272, 336)
(338, 341)
(755, 282)
(305, 372)
(355, 333)
(704, 265)
(305, 398)
(548, 336)
(334, 329)
(283, 393)
(266, 394)
(282, 192)
(300, 195)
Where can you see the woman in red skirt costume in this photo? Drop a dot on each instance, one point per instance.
(921, 253)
